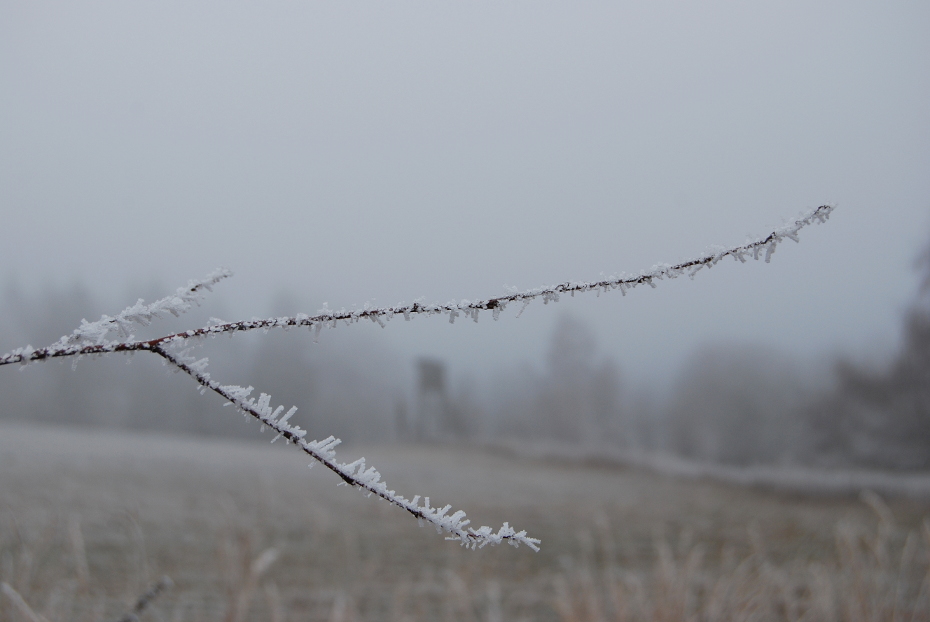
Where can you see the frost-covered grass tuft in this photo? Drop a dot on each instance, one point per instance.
(247, 537)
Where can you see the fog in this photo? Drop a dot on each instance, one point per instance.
(730, 403)
(345, 154)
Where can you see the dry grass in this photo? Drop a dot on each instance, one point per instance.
(877, 574)
(88, 521)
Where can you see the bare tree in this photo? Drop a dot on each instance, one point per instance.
(739, 404)
(881, 418)
(575, 399)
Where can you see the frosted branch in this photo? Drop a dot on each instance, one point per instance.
(760, 248)
(355, 474)
(90, 336)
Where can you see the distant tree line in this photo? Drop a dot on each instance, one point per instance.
(737, 404)
(881, 417)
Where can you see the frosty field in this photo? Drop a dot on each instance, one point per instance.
(89, 519)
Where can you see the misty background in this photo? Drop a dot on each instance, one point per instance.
(350, 154)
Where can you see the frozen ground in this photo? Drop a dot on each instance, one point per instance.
(131, 508)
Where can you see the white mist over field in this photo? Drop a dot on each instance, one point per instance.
(359, 154)
(346, 155)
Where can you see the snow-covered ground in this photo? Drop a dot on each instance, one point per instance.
(787, 478)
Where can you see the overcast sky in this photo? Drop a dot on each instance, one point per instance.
(379, 152)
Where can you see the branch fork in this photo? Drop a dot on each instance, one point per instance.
(92, 338)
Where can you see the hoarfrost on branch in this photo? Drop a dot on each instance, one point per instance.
(93, 338)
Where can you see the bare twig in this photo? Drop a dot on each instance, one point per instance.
(21, 603)
(146, 599)
(256, 569)
(77, 544)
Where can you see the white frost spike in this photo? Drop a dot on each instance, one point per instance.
(275, 414)
(287, 415)
(236, 394)
(262, 406)
(140, 313)
(769, 251)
